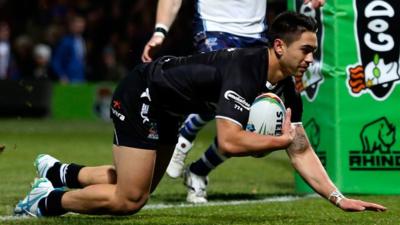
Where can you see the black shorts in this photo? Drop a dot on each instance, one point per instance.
(138, 123)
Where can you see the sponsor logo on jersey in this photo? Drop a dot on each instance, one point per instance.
(308, 84)
(115, 106)
(119, 115)
(377, 34)
(146, 94)
(240, 102)
(144, 112)
(313, 131)
(378, 138)
(145, 107)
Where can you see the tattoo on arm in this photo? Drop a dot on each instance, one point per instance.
(300, 142)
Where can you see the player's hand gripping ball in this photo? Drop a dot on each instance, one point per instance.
(267, 114)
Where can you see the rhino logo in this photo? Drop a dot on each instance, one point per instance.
(378, 138)
(378, 135)
(309, 83)
(378, 39)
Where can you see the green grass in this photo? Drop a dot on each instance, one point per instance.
(246, 178)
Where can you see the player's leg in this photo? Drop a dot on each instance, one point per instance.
(78, 176)
(188, 132)
(73, 175)
(105, 174)
(164, 154)
(134, 165)
(135, 168)
(196, 174)
(204, 42)
(139, 172)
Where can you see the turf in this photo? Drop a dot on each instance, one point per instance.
(239, 179)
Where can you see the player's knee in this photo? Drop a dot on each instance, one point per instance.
(130, 205)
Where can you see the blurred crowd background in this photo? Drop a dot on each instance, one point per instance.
(86, 40)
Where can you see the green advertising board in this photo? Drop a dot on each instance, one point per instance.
(351, 94)
(88, 101)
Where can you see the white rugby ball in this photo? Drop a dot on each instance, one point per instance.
(267, 114)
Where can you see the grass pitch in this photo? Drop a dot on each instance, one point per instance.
(242, 190)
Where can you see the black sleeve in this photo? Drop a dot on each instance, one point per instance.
(234, 103)
(293, 100)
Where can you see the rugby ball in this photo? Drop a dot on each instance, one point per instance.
(267, 114)
(266, 117)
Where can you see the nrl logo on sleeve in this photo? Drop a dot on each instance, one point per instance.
(309, 83)
(378, 43)
(378, 139)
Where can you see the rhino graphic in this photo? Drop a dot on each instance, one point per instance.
(378, 135)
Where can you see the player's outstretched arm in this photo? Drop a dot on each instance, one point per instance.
(166, 14)
(306, 162)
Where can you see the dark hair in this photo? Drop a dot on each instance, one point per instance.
(289, 25)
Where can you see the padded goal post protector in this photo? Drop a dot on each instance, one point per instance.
(351, 95)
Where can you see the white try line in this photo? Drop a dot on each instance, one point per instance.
(188, 205)
(222, 203)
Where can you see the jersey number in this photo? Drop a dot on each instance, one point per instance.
(238, 108)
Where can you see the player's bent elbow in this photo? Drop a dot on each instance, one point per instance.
(229, 149)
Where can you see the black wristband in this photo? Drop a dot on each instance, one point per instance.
(161, 30)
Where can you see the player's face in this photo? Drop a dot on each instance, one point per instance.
(299, 54)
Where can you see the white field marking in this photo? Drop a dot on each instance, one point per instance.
(222, 203)
(10, 218)
(288, 198)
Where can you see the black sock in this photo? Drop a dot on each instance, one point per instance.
(53, 174)
(51, 205)
(199, 168)
(71, 176)
(64, 175)
(209, 161)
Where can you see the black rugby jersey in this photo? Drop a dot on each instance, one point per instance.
(225, 82)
